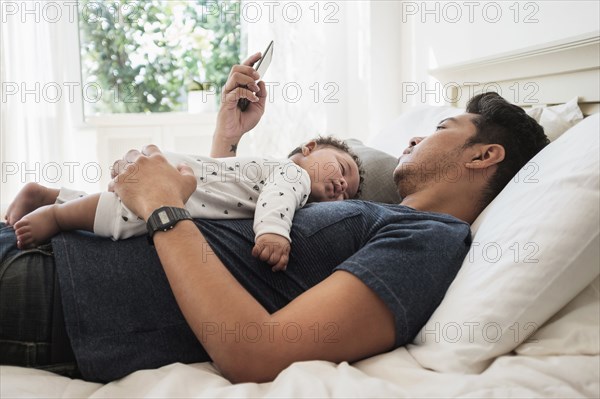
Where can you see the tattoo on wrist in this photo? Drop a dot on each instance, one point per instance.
(233, 148)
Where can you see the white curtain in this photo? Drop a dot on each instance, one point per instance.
(307, 78)
(342, 56)
(40, 97)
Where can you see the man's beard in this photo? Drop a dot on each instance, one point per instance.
(406, 182)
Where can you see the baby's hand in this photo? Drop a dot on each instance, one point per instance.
(273, 249)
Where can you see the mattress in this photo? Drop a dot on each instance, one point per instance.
(394, 374)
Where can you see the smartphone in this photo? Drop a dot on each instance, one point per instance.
(261, 67)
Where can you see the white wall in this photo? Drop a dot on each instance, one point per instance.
(442, 33)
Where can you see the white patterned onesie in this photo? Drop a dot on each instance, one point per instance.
(268, 190)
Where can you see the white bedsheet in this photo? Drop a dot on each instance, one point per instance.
(394, 374)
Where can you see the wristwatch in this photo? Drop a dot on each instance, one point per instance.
(165, 218)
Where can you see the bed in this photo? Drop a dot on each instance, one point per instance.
(522, 317)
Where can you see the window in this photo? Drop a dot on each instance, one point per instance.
(145, 56)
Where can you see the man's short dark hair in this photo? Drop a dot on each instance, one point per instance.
(499, 122)
(330, 141)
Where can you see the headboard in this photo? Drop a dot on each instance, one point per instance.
(546, 74)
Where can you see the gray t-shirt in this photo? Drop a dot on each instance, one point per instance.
(408, 258)
(121, 315)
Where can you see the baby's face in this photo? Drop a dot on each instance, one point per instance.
(333, 174)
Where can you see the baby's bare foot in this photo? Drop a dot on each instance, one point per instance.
(37, 227)
(30, 198)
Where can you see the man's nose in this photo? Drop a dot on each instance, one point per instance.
(415, 140)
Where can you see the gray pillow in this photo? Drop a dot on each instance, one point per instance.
(379, 167)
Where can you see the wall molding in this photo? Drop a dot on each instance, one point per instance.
(548, 73)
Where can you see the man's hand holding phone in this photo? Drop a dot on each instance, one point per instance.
(232, 122)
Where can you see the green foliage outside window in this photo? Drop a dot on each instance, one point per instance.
(141, 56)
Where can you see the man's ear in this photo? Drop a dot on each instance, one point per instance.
(487, 155)
(309, 147)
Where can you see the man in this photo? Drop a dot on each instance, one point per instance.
(362, 279)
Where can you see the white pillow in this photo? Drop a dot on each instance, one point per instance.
(575, 330)
(378, 167)
(535, 248)
(557, 119)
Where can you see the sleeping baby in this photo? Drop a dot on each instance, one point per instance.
(270, 190)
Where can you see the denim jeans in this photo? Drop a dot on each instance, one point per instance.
(32, 330)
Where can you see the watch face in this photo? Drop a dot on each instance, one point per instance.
(164, 218)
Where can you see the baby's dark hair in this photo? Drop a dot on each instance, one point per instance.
(330, 141)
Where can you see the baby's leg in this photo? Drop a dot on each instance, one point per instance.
(30, 198)
(113, 219)
(40, 225)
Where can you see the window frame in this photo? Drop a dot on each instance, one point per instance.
(83, 121)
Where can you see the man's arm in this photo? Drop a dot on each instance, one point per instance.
(339, 319)
(232, 123)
